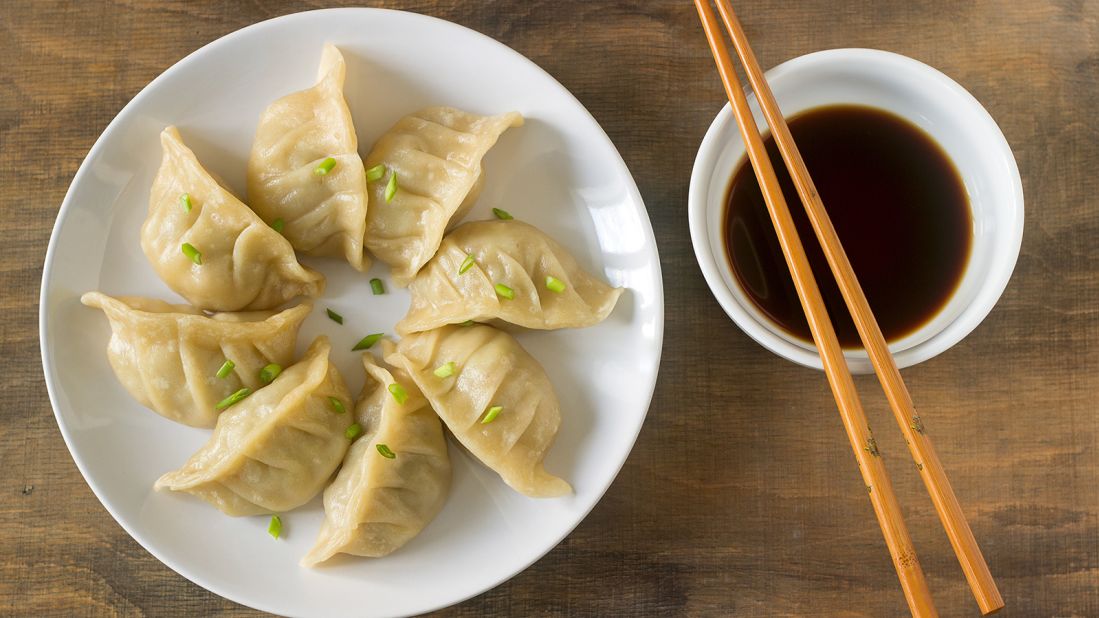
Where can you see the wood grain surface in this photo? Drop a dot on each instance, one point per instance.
(741, 496)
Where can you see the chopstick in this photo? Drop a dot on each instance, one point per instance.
(908, 419)
(878, 486)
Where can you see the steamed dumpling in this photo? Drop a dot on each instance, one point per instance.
(376, 504)
(518, 256)
(491, 370)
(274, 450)
(237, 261)
(322, 214)
(436, 154)
(168, 356)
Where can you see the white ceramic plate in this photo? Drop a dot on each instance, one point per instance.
(559, 172)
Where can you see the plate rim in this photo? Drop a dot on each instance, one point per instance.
(50, 373)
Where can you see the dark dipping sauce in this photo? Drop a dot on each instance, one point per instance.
(897, 203)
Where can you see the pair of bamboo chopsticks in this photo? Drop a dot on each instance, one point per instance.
(873, 471)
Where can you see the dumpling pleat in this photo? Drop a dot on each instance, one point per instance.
(514, 254)
(519, 420)
(288, 145)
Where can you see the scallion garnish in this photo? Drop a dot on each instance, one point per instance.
(385, 452)
(398, 392)
(325, 166)
(504, 291)
(375, 173)
(367, 342)
(185, 201)
(234, 398)
(275, 527)
(491, 414)
(467, 323)
(391, 187)
(337, 405)
(502, 214)
(354, 431)
(377, 287)
(466, 264)
(445, 370)
(335, 317)
(192, 254)
(268, 374)
(278, 225)
(554, 284)
(226, 369)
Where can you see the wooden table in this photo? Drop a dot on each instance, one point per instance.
(741, 496)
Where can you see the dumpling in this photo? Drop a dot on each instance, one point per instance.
(451, 289)
(498, 402)
(436, 154)
(377, 504)
(209, 247)
(298, 137)
(168, 356)
(273, 450)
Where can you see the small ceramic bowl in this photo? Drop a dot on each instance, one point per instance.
(926, 98)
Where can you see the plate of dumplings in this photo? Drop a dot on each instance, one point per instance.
(351, 312)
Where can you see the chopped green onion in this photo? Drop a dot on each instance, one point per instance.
(275, 527)
(385, 452)
(185, 201)
(391, 188)
(234, 398)
(554, 284)
(398, 392)
(502, 214)
(491, 414)
(367, 342)
(467, 323)
(226, 369)
(192, 253)
(335, 317)
(278, 225)
(504, 291)
(375, 173)
(325, 167)
(268, 374)
(466, 264)
(337, 405)
(377, 287)
(445, 370)
(354, 431)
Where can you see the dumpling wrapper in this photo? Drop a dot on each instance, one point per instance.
(492, 369)
(275, 449)
(376, 505)
(167, 356)
(246, 265)
(323, 215)
(517, 255)
(436, 154)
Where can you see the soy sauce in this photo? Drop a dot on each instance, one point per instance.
(897, 203)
